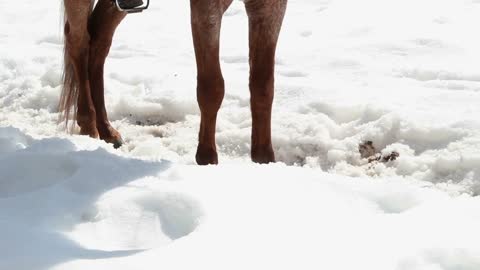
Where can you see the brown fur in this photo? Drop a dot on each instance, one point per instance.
(265, 20)
(70, 87)
(88, 37)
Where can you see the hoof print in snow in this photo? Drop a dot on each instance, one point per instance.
(367, 150)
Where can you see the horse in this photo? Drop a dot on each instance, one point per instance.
(88, 34)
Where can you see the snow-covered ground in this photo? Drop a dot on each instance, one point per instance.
(403, 74)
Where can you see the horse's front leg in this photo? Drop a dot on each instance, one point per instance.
(206, 16)
(265, 21)
(102, 25)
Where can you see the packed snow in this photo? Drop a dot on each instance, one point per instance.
(402, 74)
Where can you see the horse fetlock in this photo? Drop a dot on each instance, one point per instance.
(106, 130)
(115, 139)
(109, 134)
(87, 124)
(89, 130)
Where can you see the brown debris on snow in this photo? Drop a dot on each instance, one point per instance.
(367, 150)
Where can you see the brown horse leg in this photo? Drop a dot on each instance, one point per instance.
(77, 49)
(206, 16)
(265, 22)
(102, 25)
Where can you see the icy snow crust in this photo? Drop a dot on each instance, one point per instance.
(403, 74)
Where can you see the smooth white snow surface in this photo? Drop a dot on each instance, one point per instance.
(403, 74)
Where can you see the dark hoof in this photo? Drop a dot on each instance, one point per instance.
(263, 155)
(118, 143)
(206, 156)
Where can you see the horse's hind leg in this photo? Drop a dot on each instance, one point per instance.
(265, 22)
(102, 25)
(206, 16)
(77, 49)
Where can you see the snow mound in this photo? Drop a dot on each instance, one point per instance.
(90, 206)
(58, 201)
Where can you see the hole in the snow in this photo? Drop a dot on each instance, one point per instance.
(128, 219)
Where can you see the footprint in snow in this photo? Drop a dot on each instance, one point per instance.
(43, 165)
(306, 33)
(131, 218)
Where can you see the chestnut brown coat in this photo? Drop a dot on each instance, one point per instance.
(89, 31)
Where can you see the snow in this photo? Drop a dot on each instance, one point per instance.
(405, 75)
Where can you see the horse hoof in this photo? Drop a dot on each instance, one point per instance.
(117, 143)
(206, 156)
(263, 155)
(110, 135)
